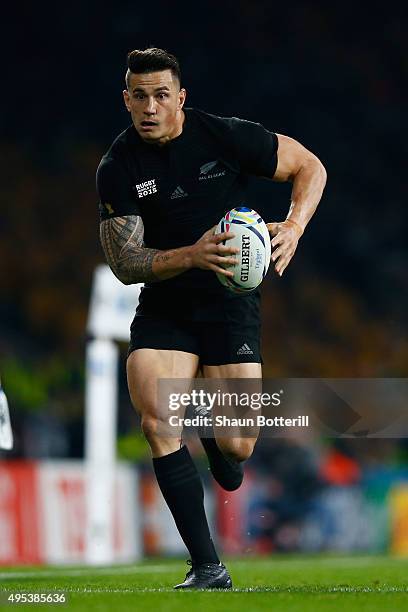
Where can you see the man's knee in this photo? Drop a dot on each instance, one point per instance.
(156, 426)
(149, 426)
(161, 440)
(239, 449)
(153, 426)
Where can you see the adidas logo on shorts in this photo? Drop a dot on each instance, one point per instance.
(178, 193)
(245, 350)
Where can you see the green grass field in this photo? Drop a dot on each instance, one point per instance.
(279, 583)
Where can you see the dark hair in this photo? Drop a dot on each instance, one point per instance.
(151, 60)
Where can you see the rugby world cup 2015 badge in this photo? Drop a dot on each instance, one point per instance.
(146, 188)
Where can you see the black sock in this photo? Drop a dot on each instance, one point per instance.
(182, 489)
(229, 473)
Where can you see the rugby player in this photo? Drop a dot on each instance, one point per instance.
(163, 185)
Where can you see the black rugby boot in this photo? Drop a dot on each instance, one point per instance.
(227, 472)
(206, 576)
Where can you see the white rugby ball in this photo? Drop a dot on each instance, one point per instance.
(254, 243)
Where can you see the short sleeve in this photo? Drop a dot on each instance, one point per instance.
(114, 187)
(256, 147)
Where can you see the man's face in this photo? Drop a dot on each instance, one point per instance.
(155, 102)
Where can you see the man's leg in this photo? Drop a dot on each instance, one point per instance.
(145, 367)
(176, 473)
(226, 454)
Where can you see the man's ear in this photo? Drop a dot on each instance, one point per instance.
(182, 97)
(126, 98)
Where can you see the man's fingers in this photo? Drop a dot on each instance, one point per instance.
(277, 240)
(280, 266)
(209, 233)
(227, 250)
(281, 270)
(217, 238)
(285, 241)
(283, 263)
(281, 257)
(221, 249)
(223, 261)
(273, 228)
(277, 253)
(221, 270)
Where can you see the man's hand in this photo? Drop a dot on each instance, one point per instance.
(208, 253)
(286, 238)
(123, 242)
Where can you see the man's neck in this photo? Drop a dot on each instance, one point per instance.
(177, 130)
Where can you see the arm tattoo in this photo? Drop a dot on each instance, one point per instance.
(122, 241)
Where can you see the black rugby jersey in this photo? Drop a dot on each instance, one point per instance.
(183, 188)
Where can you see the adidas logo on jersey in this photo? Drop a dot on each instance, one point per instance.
(178, 193)
(245, 350)
(146, 188)
(205, 169)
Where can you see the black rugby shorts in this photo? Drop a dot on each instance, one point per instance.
(219, 328)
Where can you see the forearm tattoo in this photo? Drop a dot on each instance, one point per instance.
(122, 241)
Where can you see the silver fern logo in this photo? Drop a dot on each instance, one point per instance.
(205, 171)
(207, 167)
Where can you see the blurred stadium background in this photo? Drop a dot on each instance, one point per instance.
(332, 75)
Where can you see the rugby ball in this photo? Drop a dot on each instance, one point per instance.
(254, 243)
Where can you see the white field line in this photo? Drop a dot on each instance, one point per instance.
(135, 569)
(277, 590)
(85, 571)
(346, 561)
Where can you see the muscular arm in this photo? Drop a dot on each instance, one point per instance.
(131, 262)
(308, 175)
